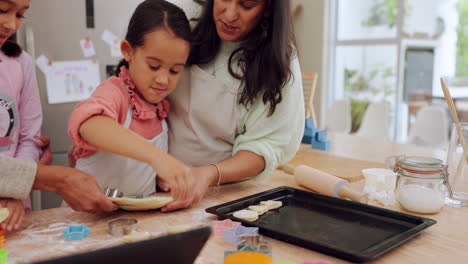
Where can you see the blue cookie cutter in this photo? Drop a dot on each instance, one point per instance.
(75, 232)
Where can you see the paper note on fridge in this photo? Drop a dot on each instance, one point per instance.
(87, 47)
(115, 50)
(109, 37)
(72, 81)
(44, 64)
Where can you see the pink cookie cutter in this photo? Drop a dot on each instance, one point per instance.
(220, 226)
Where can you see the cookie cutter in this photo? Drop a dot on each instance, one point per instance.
(3, 256)
(122, 226)
(113, 192)
(235, 235)
(75, 232)
(246, 247)
(218, 227)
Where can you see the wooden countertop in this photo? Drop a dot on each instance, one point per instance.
(40, 238)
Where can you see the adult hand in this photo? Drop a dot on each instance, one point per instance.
(71, 156)
(78, 189)
(44, 143)
(203, 178)
(175, 174)
(82, 193)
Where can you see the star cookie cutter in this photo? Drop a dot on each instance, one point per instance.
(75, 232)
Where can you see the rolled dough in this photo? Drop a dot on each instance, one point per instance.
(260, 209)
(4, 213)
(137, 204)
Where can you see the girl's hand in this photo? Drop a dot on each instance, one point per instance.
(163, 185)
(16, 209)
(71, 156)
(44, 143)
(175, 174)
(203, 178)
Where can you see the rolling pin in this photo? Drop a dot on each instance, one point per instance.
(327, 184)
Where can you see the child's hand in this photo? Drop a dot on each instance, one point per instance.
(71, 156)
(163, 185)
(203, 177)
(178, 176)
(16, 216)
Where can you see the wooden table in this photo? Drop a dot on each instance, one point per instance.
(445, 242)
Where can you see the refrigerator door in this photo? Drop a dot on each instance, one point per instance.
(54, 28)
(58, 26)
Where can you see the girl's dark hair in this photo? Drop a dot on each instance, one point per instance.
(151, 15)
(11, 49)
(264, 57)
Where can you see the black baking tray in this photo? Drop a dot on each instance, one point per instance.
(337, 227)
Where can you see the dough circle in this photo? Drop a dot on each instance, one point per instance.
(136, 204)
(260, 209)
(246, 215)
(272, 204)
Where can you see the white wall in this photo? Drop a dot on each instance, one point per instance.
(309, 28)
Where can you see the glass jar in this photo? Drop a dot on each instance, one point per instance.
(421, 184)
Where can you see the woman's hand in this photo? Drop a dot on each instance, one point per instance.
(44, 143)
(80, 190)
(202, 177)
(16, 209)
(82, 193)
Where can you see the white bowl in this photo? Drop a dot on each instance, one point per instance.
(380, 179)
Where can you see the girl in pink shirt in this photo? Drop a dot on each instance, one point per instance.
(120, 132)
(20, 105)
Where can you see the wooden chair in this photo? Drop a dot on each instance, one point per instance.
(309, 84)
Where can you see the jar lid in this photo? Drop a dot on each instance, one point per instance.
(421, 165)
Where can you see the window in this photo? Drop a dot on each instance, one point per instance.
(378, 47)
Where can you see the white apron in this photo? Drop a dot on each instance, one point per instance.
(204, 119)
(128, 175)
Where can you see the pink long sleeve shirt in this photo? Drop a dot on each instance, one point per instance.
(112, 99)
(20, 108)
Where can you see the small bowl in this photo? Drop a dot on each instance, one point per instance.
(379, 178)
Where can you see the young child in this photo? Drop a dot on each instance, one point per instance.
(20, 105)
(120, 133)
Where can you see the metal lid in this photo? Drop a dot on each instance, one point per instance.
(422, 165)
